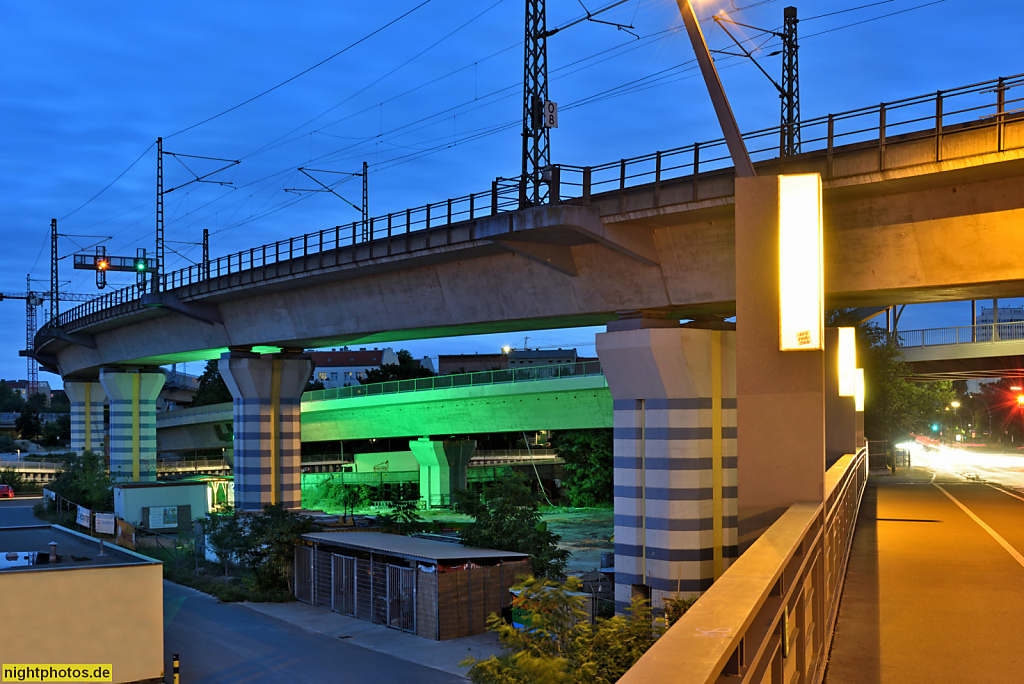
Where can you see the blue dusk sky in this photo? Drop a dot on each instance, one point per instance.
(427, 92)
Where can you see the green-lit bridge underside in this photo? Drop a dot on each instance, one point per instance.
(543, 404)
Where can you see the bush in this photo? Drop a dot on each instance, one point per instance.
(561, 645)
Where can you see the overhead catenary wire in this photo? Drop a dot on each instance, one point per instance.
(303, 72)
(268, 207)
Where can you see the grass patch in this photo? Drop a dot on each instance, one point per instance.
(209, 578)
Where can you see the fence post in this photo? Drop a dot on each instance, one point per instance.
(587, 172)
(938, 125)
(696, 168)
(494, 197)
(1000, 111)
(831, 144)
(881, 137)
(657, 178)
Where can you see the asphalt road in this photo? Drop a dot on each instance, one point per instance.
(225, 642)
(18, 512)
(933, 588)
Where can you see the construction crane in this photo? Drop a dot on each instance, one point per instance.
(33, 300)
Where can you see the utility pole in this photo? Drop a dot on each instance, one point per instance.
(536, 139)
(790, 130)
(159, 217)
(206, 252)
(366, 205)
(54, 288)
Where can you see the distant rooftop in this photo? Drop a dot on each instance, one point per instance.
(410, 547)
(27, 549)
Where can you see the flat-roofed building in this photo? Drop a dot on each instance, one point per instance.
(67, 599)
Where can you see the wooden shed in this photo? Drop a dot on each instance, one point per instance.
(438, 590)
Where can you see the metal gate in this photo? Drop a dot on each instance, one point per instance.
(304, 574)
(402, 598)
(364, 590)
(343, 595)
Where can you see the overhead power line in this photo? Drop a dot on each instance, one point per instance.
(303, 72)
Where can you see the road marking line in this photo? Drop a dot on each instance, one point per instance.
(1007, 493)
(995, 535)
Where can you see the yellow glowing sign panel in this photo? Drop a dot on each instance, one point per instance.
(858, 395)
(801, 269)
(847, 353)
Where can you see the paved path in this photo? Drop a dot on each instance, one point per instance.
(226, 642)
(934, 587)
(17, 512)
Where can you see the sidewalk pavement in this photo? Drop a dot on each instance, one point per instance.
(440, 655)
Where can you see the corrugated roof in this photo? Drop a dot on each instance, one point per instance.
(409, 547)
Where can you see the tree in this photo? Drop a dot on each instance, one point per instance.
(85, 481)
(28, 423)
(212, 388)
(588, 456)
(10, 401)
(313, 385)
(57, 431)
(225, 532)
(402, 518)
(406, 369)
(560, 645)
(508, 518)
(269, 548)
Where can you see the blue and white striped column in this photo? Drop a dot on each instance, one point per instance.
(87, 399)
(133, 396)
(267, 390)
(674, 394)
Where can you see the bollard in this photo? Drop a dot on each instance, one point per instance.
(174, 669)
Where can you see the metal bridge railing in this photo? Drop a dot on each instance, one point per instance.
(435, 382)
(984, 105)
(769, 617)
(960, 334)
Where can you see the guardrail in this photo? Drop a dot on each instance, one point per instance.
(495, 377)
(195, 466)
(769, 617)
(977, 106)
(961, 334)
(435, 382)
(32, 465)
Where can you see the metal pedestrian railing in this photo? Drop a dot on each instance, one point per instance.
(961, 334)
(770, 616)
(989, 105)
(435, 382)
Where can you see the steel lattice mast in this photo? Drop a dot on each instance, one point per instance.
(790, 144)
(536, 137)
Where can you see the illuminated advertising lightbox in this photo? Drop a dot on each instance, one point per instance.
(801, 269)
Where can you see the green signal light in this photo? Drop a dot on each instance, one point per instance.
(140, 265)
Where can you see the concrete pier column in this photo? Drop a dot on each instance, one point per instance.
(267, 391)
(442, 467)
(673, 392)
(132, 421)
(780, 395)
(87, 399)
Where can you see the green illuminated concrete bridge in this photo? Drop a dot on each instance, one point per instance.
(550, 398)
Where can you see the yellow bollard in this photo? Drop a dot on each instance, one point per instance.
(175, 669)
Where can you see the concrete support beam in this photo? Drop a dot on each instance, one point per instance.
(87, 399)
(133, 396)
(780, 395)
(267, 390)
(675, 458)
(442, 467)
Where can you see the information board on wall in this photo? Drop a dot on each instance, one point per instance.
(163, 517)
